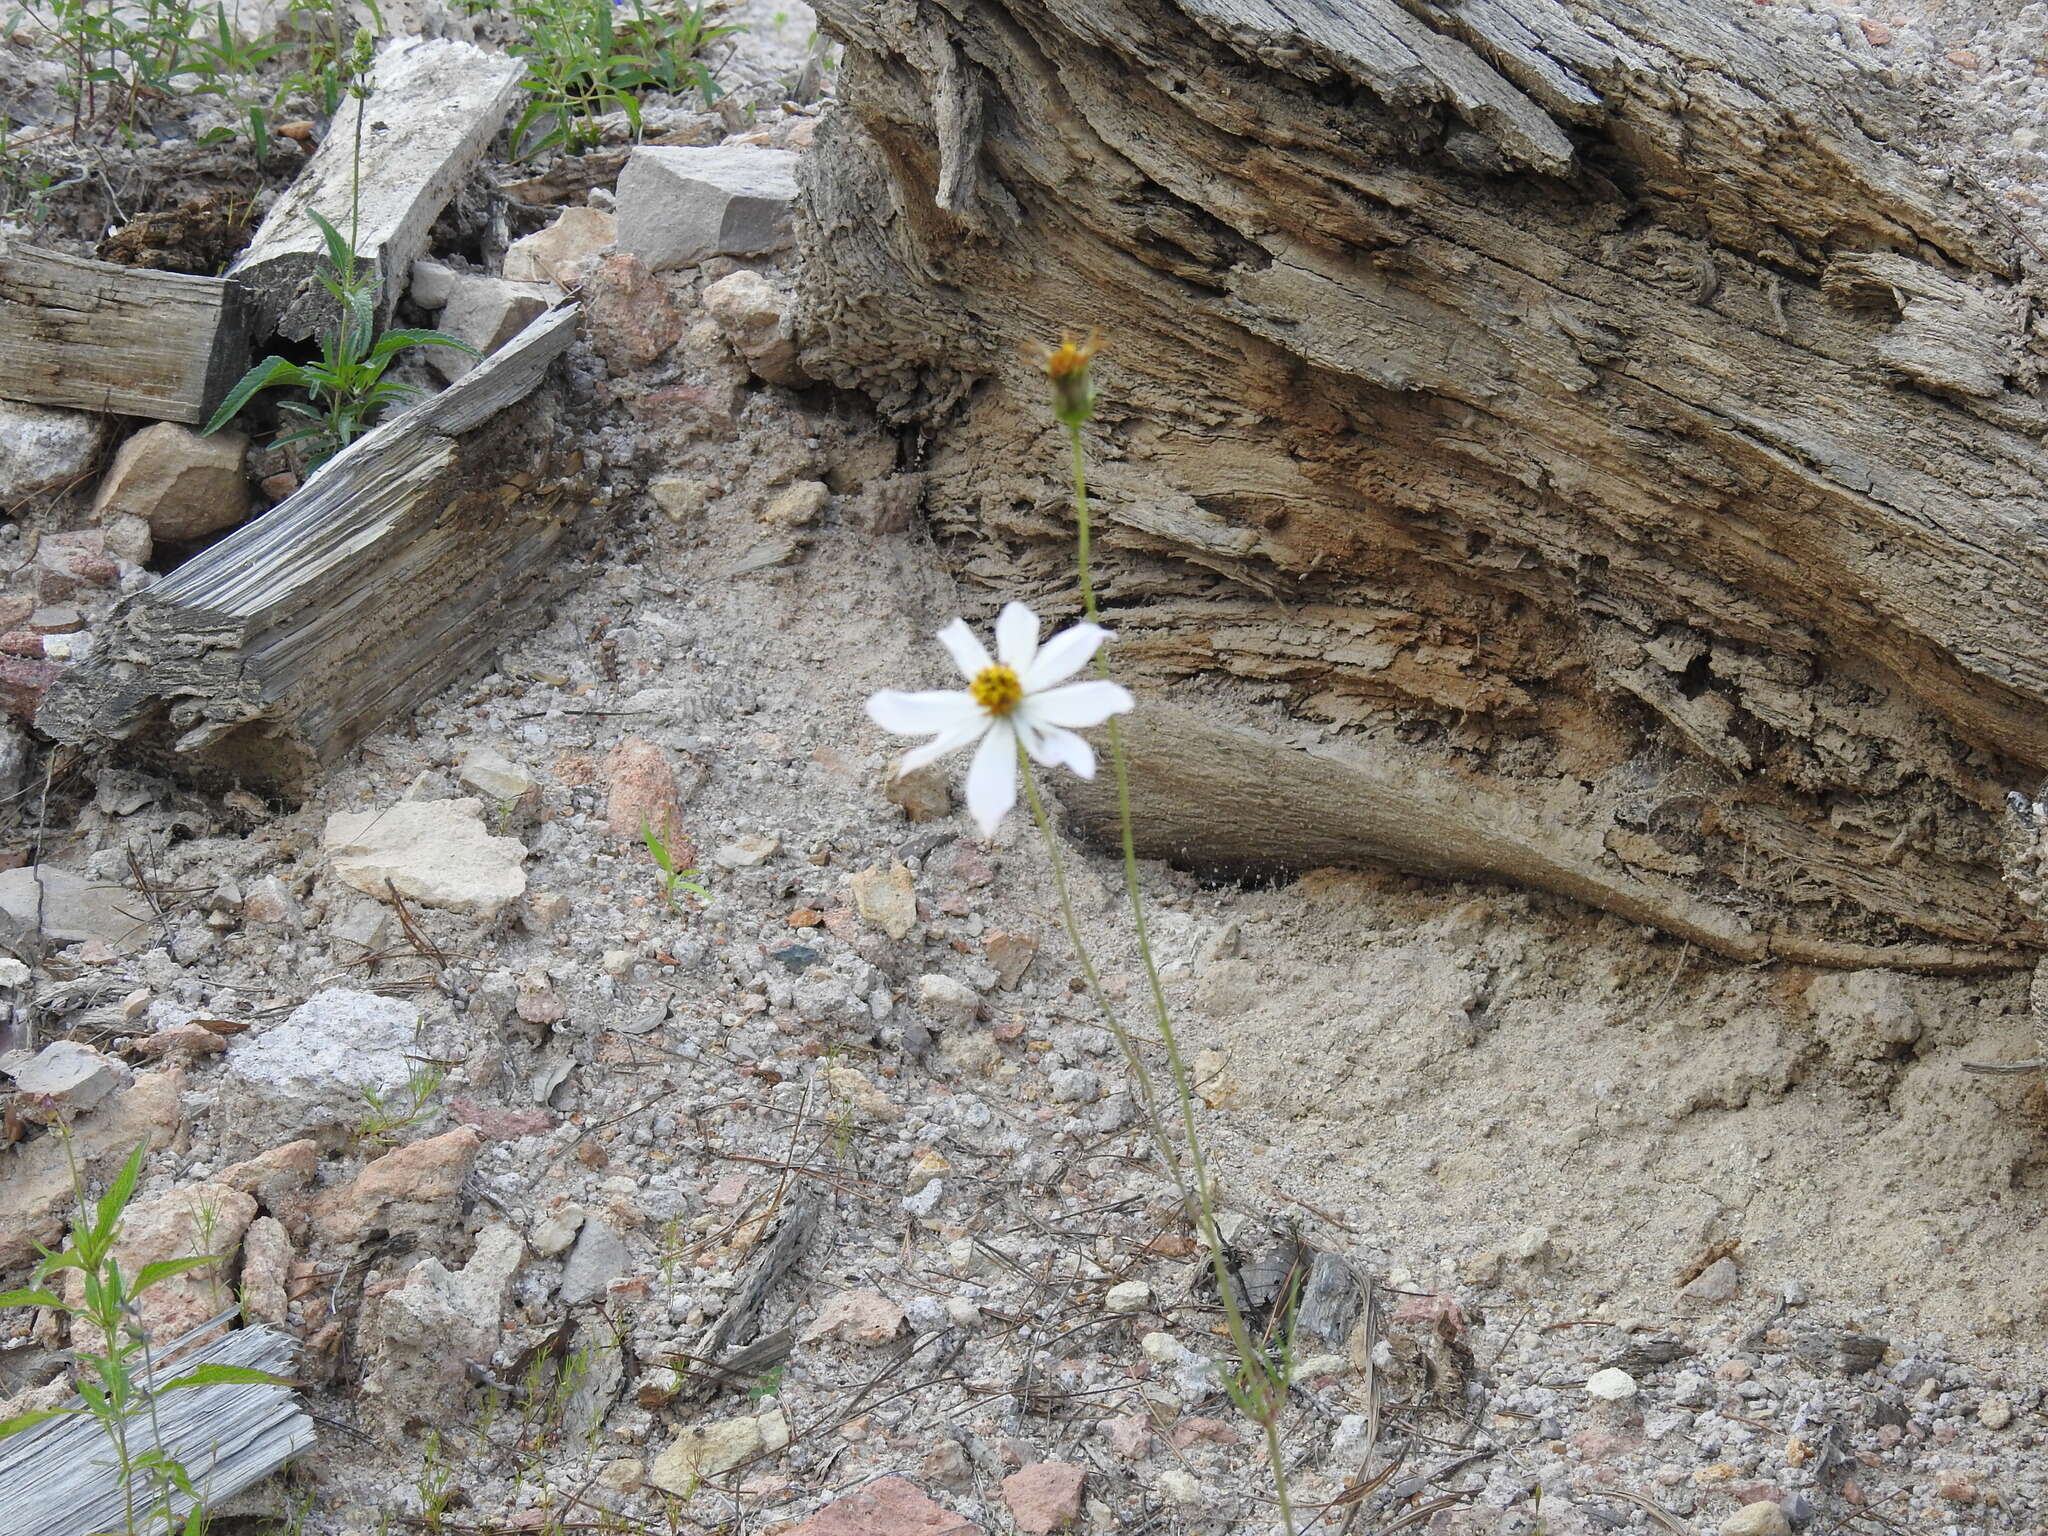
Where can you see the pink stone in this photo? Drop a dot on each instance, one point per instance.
(498, 1122)
(640, 792)
(1130, 1438)
(888, 1506)
(1045, 1496)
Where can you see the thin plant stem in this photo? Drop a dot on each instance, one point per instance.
(1133, 1058)
(1258, 1380)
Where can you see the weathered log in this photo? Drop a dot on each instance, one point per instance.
(130, 342)
(433, 108)
(395, 568)
(1581, 444)
(59, 1476)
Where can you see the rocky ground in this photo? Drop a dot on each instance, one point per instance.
(817, 1200)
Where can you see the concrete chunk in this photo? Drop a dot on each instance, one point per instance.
(679, 205)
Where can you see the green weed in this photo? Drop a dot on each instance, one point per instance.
(113, 1356)
(403, 1108)
(673, 879)
(585, 58)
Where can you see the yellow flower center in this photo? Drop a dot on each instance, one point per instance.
(996, 689)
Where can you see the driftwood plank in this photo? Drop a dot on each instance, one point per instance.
(131, 342)
(1583, 444)
(56, 1480)
(433, 108)
(389, 573)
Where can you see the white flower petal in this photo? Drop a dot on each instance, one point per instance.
(967, 651)
(1083, 704)
(946, 741)
(921, 714)
(992, 780)
(1063, 655)
(1016, 637)
(1058, 748)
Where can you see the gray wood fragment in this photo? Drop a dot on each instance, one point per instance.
(1331, 1299)
(434, 106)
(56, 1479)
(1523, 477)
(124, 340)
(392, 570)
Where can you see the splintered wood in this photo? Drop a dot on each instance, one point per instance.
(1520, 475)
(434, 107)
(394, 569)
(57, 1479)
(121, 340)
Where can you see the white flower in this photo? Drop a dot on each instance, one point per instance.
(1008, 700)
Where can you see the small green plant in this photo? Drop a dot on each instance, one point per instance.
(346, 387)
(673, 879)
(585, 58)
(115, 1371)
(769, 1384)
(436, 1485)
(402, 1108)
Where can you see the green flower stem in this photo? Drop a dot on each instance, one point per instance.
(1262, 1388)
(1147, 1093)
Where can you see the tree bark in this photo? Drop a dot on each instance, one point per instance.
(1575, 443)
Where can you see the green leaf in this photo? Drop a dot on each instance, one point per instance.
(32, 1418)
(398, 340)
(226, 1376)
(339, 254)
(164, 1269)
(30, 1298)
(271, 371)
(119, 1193)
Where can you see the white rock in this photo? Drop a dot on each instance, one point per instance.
(495, 777)
(886, 898)
(1611, 1386)
(679, 205)
(15, 753)
(71, 908)
(435, 852)
(44, 449)
(1162, 1348)
(682, 497)
(949, 1003)
(13, 973)
(709, 1449)
(559, 253)
(431, 284)
(798, 505)
(556, 1230)
(598, 1259)
(746, 851)
(486, 312)
(419, 1337)
(1182, 1487)
(1131, 1296)
(183, 485)
(307, 1075)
